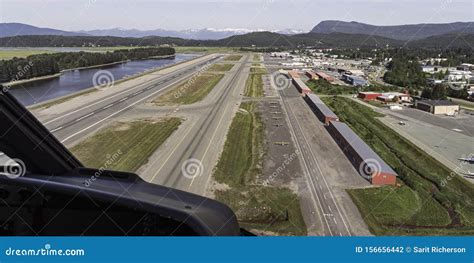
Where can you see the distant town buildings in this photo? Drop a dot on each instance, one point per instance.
(280, 54)
(385, 97)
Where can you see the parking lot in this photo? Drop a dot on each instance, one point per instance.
(463, 123)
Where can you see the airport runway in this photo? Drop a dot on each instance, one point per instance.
(76, 123)
(189, 156)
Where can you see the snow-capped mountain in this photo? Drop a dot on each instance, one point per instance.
(15, 29)
(201, 34)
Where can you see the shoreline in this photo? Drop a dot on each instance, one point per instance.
(11, 84)
(48, 103)
(96, 66)
(162, 57)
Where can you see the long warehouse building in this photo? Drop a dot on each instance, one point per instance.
(363, 158)
(301, 86)
(320, 109)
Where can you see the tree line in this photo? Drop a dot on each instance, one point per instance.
(442, 91)
(405, 71)
(49, 64)
(90, 41)
(257, 39)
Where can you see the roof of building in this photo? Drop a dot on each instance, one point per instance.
(356, 71)
(391, 95)
(369, 93)
(438, 102)
(301, 84)
(385, 97)
(357, 78)
(324, 75)
(394, 94)
(364, 151)
(321, 106)
(293, 74)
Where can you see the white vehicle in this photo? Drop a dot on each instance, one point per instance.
(469, 174)
(467, 160)
(402, 123)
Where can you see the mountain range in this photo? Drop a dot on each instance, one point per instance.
(19, 29)
(399, 32)
(327, 34)
(200, 34)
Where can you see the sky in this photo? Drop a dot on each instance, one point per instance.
(74, 15)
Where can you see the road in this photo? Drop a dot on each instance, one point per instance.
(199, 141)
(75, 124)
(333, 221)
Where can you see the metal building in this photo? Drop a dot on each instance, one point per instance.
(301, 86)
(363, 158)
(438, 106)
(320, 109)
(325, 76)
(355, 80)
(311, 75)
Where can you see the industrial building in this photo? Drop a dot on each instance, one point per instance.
(391, 96)
(363, 158)
(311, 75)
(385, 97)
(355, 72)
(301, 86)
(368, 95)
(293, 74)
(325, 76)
(438, 106)
(320, 109)
(280, 54)
(355, 80)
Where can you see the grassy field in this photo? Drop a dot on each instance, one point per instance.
(254, 86)
(257, 207)
(204, 49)
(24, 52)
(233, 58)
(256, 57)
(125, 146)
(105, 49)
(20, 53)
(220, 67)
(191, 90)
(376, 103)
(258, 70)
(431, 200)
(321, 86)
